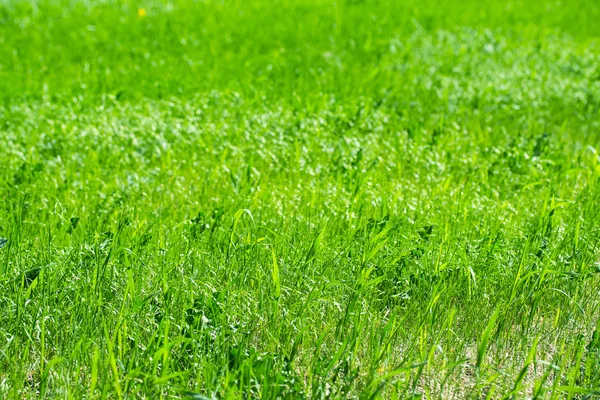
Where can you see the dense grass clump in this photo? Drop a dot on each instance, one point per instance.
(299, 199)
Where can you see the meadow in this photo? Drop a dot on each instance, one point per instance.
(315, 199)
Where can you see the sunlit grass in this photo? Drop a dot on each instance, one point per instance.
(299, 199)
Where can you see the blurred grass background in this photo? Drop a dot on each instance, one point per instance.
(277, 48)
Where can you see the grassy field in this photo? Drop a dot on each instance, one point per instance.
(299, 199)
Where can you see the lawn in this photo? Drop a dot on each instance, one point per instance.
(316, 199)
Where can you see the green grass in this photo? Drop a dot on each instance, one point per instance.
(299, 199)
